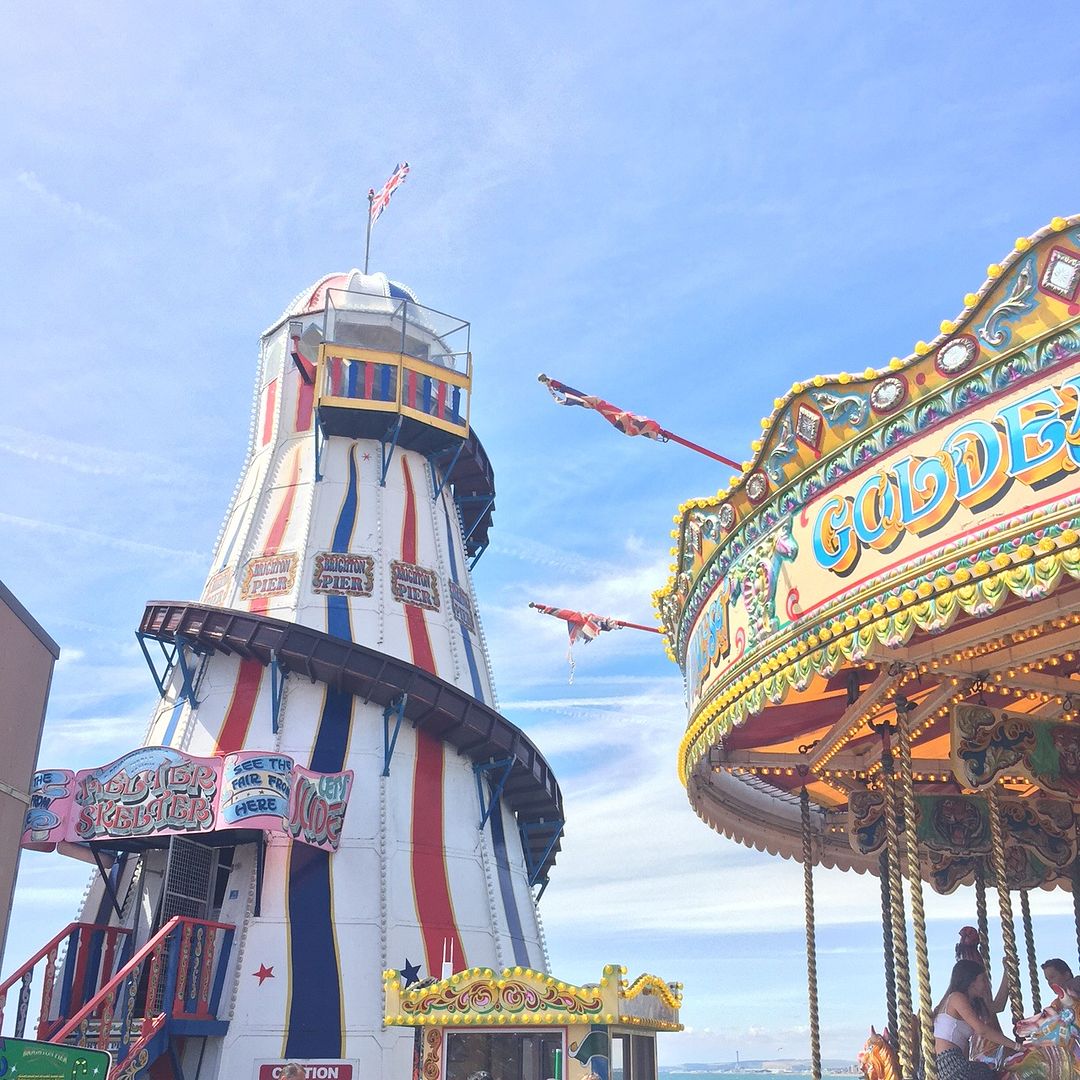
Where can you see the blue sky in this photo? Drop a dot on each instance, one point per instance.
(681, 207)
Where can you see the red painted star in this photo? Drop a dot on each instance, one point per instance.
(367, 457)
(263, 973)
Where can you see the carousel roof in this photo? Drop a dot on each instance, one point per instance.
(903, 544)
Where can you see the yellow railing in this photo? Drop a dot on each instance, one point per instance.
(373, 380)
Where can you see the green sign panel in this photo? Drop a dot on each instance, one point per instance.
(49, 1061)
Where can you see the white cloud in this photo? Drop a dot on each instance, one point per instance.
(86, 458)
(66, 207)
(88, 536)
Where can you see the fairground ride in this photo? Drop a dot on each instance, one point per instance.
(877, 623)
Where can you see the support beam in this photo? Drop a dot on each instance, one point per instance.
(476, 558)
(501, 771)
(172, 657)
(877, 691)
(446, 473)
(320, 442)
(278, 675)
(391, 437)
(396, 709)
(527, 828)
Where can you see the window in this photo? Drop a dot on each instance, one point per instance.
(620, 1057)
(502, 1055)
(643, 1049)
(633, 1057)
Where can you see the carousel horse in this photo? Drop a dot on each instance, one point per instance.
(1051, 1048)
(877, 1059)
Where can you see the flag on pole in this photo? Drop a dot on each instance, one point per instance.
(381, 199)
(627, 422)
(586, 626)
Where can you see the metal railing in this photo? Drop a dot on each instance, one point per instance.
(91, 952)
(179, 974)
(436, 394)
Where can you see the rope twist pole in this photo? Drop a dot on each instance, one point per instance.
(1008, 930)
(903, 1033)
(887, 942)
(1076, 887)
(980, 908)
(811, 937)
(918, 912)
(1029, 945)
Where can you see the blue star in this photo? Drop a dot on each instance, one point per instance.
(410, 973)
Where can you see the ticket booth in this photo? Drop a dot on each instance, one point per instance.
(525, 1025)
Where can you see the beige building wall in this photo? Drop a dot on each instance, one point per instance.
(27, 655)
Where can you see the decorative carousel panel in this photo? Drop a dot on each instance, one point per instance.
(989, 744)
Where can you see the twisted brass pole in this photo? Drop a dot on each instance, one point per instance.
(1076, 887)
(1029, 945)
(887, 943)
(899, 923)
(980, 908)
(811, 936)
(1008, 930)
(909, 840)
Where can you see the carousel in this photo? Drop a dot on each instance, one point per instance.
(878, 626)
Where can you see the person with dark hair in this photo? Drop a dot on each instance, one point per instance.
(961, 1015)
(1057, 974)
(969, 948)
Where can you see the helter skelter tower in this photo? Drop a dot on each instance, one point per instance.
(337, 630)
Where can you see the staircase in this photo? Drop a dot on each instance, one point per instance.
(171, 988)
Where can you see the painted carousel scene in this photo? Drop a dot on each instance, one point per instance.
(417, 659)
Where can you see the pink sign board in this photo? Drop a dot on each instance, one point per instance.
(160, 791)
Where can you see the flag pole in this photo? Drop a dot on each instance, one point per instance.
(546, 610)
(701, 449)
(367, 242)
(555, 388)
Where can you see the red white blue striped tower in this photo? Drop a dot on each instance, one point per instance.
(338, 626)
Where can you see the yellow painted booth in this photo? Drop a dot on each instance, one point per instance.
(525, 1025)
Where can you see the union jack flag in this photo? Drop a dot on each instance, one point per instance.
(381, 199)
(627, 422)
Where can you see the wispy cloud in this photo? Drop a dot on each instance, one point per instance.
(84, 457)
(88, 536)
(69, 208)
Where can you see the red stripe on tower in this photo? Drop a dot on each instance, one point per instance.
(419, 641)
(431, 883)
(281, 521)
(270, 396)
(431, 880)
(234, 730)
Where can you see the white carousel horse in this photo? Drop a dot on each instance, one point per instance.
(1051, 1049)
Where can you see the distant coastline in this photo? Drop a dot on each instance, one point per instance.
(766, 1067)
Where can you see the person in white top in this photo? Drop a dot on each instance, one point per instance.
(962, 1014)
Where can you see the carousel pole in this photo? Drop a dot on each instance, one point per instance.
(903, 1032)
(1029, 945)
(1076, 887)
(1008, 930)
(887, 942)
(811, 937)
(918, 914)
(980, 908)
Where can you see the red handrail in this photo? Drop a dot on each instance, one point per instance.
(49, 949)
(136, 961)
(9, 982)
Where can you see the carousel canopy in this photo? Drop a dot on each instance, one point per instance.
(903, 548)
